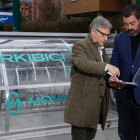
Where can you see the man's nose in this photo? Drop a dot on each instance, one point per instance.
(129, 26)
(106, 38)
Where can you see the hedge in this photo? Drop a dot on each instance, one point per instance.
(69, 26)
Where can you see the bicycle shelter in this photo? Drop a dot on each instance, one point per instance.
(35, 78)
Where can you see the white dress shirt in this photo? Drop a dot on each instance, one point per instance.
(101, 54)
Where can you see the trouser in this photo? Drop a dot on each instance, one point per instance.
(82, 133)
(129, 120)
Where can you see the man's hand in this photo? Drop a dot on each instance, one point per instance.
(114, 84)
(113, 70)
(111, 82)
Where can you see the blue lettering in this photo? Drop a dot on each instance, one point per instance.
(38, 57)
(63, 98)
(63, 56)
(50, 56)
(20, 57)
(18, 102)
(68, 69)
(46, 57)
(29, 57)
(8, 55)
(47, 101)
(34, 103)
(66, 48)
(9, 104)
(54, 98)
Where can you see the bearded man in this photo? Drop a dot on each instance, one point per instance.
(126, 57)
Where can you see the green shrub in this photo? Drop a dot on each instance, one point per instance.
(7, 27)
(69, 26)
(116, 22)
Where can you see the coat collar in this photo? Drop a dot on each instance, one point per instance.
(128, 48)
(94, 47)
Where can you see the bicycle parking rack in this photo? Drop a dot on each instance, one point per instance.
(24, 80)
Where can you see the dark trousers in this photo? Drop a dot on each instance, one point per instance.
(129, 120)
(82, 133)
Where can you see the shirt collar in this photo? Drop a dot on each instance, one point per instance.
(100, 48)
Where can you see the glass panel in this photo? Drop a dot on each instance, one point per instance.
(35, 104)
(1, 76)
(31, 62)
(38, 62)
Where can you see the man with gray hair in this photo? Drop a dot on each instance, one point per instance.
(88, 96)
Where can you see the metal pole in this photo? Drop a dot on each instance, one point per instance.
(7, 117)
(126, 2)
(16, 15)
(138, 3)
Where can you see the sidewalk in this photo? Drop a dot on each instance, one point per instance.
(29, 121)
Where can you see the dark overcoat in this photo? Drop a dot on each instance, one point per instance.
(88, 97)
(122, 58)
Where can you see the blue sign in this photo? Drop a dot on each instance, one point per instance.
(8, 8)
(6, 19)
(18, 101)
(34, 57)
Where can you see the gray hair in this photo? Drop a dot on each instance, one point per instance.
(100, 22)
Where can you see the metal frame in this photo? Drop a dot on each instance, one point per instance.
(41, 34)
(6, 87)
(2, 81)
(34, 86)
(35, 34)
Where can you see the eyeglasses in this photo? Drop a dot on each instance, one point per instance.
(103, 34)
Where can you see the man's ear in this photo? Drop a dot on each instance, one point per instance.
(92, 31)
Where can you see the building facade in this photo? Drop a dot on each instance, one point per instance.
(78, 7)
(26, 9)
(45, 9)
(34, 10)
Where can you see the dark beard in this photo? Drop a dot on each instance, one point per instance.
(134, 34)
